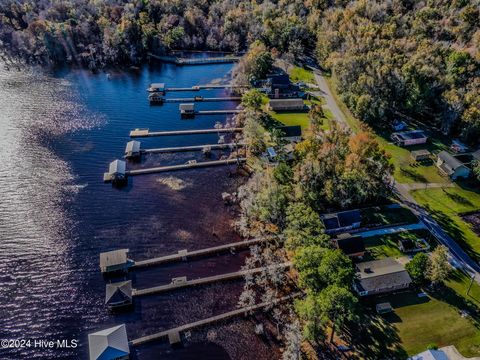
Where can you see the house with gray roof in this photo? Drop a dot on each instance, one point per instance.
(380, 276)
(451, 166)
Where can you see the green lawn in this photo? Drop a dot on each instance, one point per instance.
(383, 246)
(445, 206)
(292, 118)
(383, 215)
(301, 74)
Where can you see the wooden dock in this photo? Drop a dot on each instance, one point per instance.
(137, 133)
(184, 254)
(205, 87)
(191, 148)
(182, 282)
(193, 165)
(202, 99)
(218, 112)
(195, 61)
(242, 311)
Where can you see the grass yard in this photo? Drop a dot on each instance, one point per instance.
(292, 118)
(383, 246)
(384, 215)
(298, 73)
(445, 206)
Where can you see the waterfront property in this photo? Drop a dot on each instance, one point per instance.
(408, 138)
(109, 344)
(286, 105)
(115, 261)
(381, 276)
(451, 166)
(341, 221)
(352, 246)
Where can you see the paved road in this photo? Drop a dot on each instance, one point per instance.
(402, 190)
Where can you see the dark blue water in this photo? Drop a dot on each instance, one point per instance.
(57, 135)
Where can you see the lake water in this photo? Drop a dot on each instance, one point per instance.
(57, 135)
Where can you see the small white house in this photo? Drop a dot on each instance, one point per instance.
(451, 166)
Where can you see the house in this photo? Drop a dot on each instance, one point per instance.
(420, 155)
(407, 138)
(118, 295)
(430, 355)
(352, 246)
(115, 261)
(451, 166)
(187, 109)
(132, 150)
(342, 221)
(291, 133)
(380, 276)
(157, 87)
(295, 104)
(109, 344)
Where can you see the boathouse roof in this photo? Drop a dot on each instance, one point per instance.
(109, 344)
(118, 292)
(117, 167)
(132, 147)
(187, 106)
(159, 86)
(113, 258)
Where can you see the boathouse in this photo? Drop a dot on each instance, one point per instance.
(286, 104)
(157, 87)
(109, 344)
(116, 172)
(156, 98)
(187, 109)
(115, 261)
(118, 295)
(132, 150)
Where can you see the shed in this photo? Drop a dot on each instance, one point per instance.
(407, 138)
(419, 155)
(118, 294)
(157, 87)
(291, 133)
(132, 150)
(451, 166)
(109, 344)
(352, 246)
(381, 276)
(115, 261)
(383, 308)
(286, 104)
(187, 109)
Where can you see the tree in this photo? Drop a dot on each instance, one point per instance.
(338, 304)
(316, 116)
(293, 341)
(417, 268)
(321, 267)
(476, 169)
(438, 265)
(252, 99)
(313, 319)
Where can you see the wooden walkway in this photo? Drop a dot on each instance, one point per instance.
(137, 133)
(191, 148)
(205, 87)
(195, 165)
(184, 254)
(202, 99)
(182, 282)
(218, 112)
(195, 61)
(210, 320)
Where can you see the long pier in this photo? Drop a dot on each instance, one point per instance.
(192, 165)
(182, 282)
(184, 254)
(195, 61)
(202, 99)
(205, 87)
(218, 112)
(191, 148)
(176, 331)
(137, 133)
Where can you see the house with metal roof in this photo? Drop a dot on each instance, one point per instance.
(109, 344)
(451, 166)
(341, 221)
(118, 295)
(296, 104)
(380, 276)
